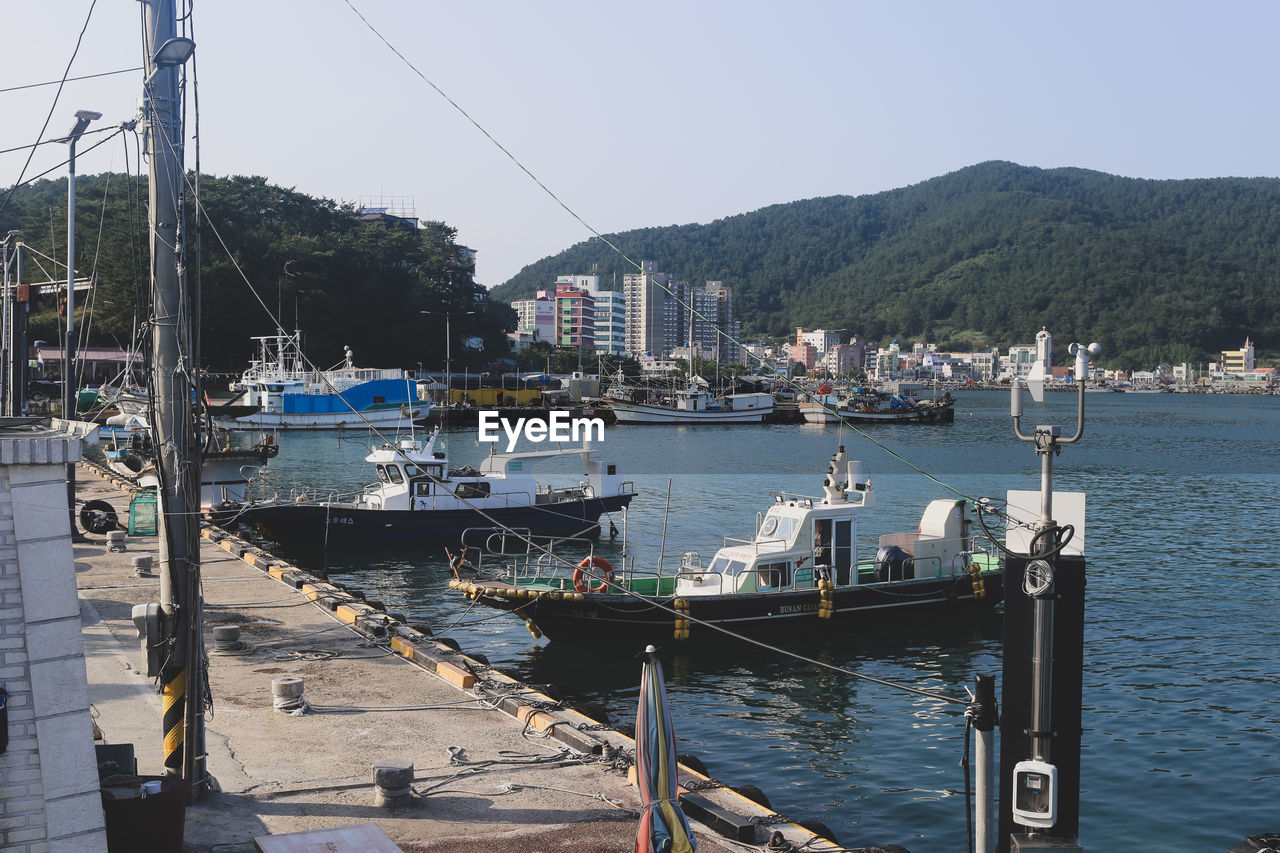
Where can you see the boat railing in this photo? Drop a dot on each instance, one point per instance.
(754, 543)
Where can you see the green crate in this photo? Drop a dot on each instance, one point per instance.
(143, 514)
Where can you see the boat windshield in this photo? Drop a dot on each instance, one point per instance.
(390, 474)
(726, 566)
(777, 527)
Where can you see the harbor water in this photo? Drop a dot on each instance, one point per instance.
(1181, 642)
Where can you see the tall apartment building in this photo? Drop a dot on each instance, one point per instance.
(575, 318)
(653, 317)
(663, 314)
(609, 333)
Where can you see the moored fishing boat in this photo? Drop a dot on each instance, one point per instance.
(418, 500)
(289, 394)
(691, 405)
(802, 566)
(869, 405)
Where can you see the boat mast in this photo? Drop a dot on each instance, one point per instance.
(172, 378)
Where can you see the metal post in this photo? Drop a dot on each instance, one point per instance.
(6, 345)
(172, 377)
(70, 375)
(984, 723)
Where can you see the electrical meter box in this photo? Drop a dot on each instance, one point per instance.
(146, 618)
(1035, 794)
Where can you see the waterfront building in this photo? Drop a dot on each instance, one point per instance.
(652, 317)
(575, 318)
(1238, 361)
(610, 312)
(820, 339)
(662, 314)
(536, 316)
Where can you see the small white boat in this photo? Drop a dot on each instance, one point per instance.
(290, 395)
(418, 500)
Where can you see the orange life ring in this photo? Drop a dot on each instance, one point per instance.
(580, 576)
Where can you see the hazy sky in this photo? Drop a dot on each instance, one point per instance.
(660, 113)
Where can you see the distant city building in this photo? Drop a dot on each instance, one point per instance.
(1020, 360)
(651, 321)
(611, 322)
(820, 339)
(1044, 349)
(536, 316)
(1238, 361)
(610, 312)
(662, 314)
(575, 318)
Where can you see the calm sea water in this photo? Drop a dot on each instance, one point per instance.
(1181, 708)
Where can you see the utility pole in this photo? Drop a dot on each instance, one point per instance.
(173, 376)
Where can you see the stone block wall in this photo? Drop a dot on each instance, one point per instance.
(49, 793)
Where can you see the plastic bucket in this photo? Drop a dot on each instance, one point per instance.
(153, 822)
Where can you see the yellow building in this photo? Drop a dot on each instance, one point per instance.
(1240, 360)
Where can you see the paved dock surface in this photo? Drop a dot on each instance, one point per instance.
(484, 780)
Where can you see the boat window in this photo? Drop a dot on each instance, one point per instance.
(774, 574)
(411, 471)
(786, 528)
(382, 473)
(473, 490)
(725, 566)
(422, 488)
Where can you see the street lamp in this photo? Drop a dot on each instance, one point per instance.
(448, 347)
(69, 373)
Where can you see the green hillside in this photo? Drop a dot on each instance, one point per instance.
(342, 281)
(1156, 270)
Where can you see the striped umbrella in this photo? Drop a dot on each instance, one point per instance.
(663, 826)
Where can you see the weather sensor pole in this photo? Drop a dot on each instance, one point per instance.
(1032, 799)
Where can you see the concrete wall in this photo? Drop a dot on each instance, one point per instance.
(49, 793)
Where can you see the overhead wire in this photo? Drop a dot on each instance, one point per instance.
(52, 106)
(612, 245)
(719, 331)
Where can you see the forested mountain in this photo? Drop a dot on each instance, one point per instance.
(1156, 270)
(343, 281)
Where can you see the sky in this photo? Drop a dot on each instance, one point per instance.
(659, 113)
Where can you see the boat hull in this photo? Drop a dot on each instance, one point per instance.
(315, 526)
(396, 418)
(601, 616)
(641, 413)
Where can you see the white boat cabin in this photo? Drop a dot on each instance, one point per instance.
(800, 540)
(414, 476)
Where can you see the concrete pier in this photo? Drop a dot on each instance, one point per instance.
(494, 765)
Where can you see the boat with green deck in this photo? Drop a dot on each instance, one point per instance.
(802, 565)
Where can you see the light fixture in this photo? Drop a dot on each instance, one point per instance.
(83, 117)
(173, 52)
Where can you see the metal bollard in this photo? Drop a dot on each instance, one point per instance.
(392, 781)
